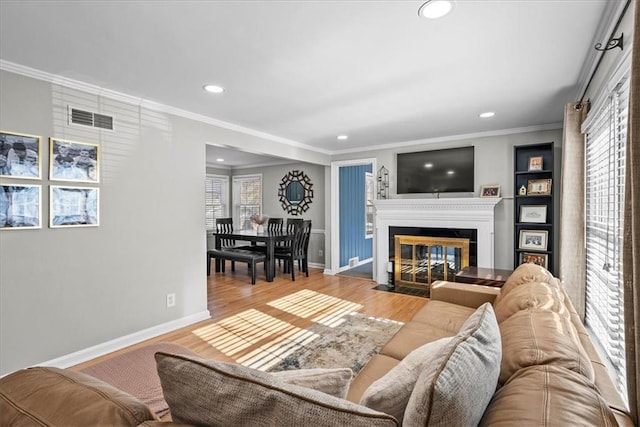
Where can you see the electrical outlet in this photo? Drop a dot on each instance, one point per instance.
(171, 300)
(320, 252)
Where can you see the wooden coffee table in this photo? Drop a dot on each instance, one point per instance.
(483, 276)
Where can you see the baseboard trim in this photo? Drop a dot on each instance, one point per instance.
(125, 341)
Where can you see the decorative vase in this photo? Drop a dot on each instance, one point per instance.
(260, 228)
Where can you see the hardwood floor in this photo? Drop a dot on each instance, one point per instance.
(246, 319)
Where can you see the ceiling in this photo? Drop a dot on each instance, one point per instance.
(307, 71)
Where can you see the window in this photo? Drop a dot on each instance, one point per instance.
(606, 134)
(216, 199)
(247, 199)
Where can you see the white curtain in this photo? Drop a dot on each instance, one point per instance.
(572, 247)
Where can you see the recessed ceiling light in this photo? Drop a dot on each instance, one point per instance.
(450, 172)
(487, 114)
(435, 8)
(219, 159)
(428, 165)
(342, 137)
(213, 88)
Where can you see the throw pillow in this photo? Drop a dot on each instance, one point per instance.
(390, 394)
(331, 381)
(207, 392)
(458, 385)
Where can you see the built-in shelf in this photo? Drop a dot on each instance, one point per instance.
(534, 240)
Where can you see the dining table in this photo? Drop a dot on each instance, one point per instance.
(270, 239)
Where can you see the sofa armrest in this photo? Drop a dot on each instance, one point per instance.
(463, 293)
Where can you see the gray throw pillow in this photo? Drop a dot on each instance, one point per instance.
(331, 381)
(207, 392)
(390, 394)
(456, 388)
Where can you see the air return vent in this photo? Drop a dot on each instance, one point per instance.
(87, 118)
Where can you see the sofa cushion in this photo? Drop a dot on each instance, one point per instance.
(456, 387)
(540, 337)
(207, 392)
(443, 315)
(536, 295)
(411, 336)
(547, 395)
(390, 394)
(331, 381)
(526, 273)
(52, 396)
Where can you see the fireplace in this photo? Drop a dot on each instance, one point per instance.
(419, 256)
(471, 216)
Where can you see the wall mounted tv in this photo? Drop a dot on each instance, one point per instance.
(437, 171)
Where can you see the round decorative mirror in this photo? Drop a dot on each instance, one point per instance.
(295, 192)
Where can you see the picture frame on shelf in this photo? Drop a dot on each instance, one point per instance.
(74, 161)
(536, 258)
(20, 155)
(490, 191)
(20, 207)
(535, 163)
(539, 187)
(535, 214)
(73, 206)
(534, 239)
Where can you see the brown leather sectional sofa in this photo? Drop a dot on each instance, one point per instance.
(550, 372)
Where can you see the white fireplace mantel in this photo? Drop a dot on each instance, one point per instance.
(471, 213)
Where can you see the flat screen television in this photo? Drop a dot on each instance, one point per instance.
(437, 171)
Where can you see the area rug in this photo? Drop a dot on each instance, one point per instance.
(349, 343)
(135, 373)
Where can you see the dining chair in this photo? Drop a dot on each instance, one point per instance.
(296, 250)
(225, 225)
(292, 224)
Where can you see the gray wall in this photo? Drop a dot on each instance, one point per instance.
(65, 291)
(493, 165)
(271, 177)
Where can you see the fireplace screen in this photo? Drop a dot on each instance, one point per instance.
(420, 260)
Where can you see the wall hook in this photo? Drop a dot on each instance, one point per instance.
(612, 43)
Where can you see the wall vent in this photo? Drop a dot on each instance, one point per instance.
(353, 262)
(87, 118)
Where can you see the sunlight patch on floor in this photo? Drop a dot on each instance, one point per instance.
(320, 308)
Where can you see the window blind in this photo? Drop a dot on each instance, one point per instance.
(247, 199)
(606, 136)
(216, 199)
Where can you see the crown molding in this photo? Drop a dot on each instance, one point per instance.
(395, 145)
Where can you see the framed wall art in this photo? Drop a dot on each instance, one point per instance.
(73, 207)
(539, 259)
(20, 155)
(20, 207)
(535, 163)
(539, 187)
(490, 191)
(73, 161)
(534, 239)
(533, 213)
